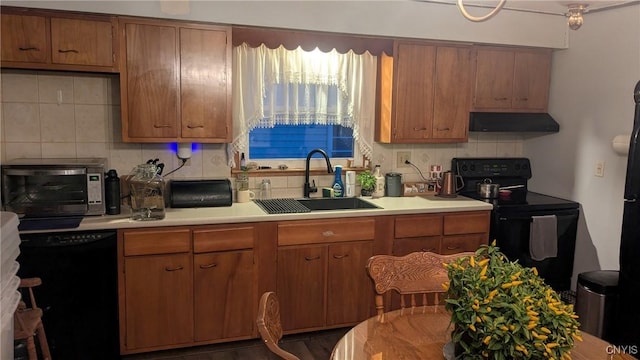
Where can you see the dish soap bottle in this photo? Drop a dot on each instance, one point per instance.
(380, 182)
(338, 186)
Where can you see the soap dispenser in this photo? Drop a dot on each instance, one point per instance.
(338, 186)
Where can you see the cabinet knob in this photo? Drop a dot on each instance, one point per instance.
(68, 51)
(173, 269)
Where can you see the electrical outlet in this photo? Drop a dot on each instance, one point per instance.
(403, 156)
(599, 168)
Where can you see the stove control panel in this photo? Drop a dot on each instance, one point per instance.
(492, 167)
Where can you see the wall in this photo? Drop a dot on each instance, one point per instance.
(84, 121)
(413, 19)
(591, 97)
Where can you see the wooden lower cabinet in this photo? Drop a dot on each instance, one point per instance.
(349, 288)
(301, 279)
(159, 300)
(223, 288)
(448, 233)
(186, 286)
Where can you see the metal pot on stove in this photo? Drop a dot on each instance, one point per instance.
(487, 189)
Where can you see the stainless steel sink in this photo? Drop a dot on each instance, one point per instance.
(317, 204)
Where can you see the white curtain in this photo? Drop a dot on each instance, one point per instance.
(312, 88)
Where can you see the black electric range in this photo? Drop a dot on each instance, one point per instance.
(513, 215)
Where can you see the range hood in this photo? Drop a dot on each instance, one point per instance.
(512, 122)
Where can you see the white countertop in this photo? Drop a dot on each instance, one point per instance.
(251, 212)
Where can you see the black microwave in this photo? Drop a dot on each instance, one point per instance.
(54, 187)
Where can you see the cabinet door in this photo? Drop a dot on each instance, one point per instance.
(81, 42)
(461, 243)
(224, 296)
(159, 300)
(452, 93)
(531, 80)
(403, 247)
(24, 38)
(205, 84)
(494, 79)
(301, 282)
(151, 81)
(349, 288)
(413, 98)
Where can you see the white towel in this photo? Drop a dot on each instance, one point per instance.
(543, 237)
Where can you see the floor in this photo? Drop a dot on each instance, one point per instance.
(308, 346)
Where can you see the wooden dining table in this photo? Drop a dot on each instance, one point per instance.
(423, 335)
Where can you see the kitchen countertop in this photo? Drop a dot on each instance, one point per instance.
(251, 212)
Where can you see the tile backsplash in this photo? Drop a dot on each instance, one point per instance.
(64, 114)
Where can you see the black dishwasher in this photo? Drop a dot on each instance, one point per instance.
(79, 292)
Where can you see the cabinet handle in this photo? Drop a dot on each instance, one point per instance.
(452, 247)
(195, 126)
(209, 266)
(328, 233)
(443, 129)
(68, 51)
(523, 99)
(419, 129)
(28, 48)
(311, 258)
(429, 250)
(161, 126)
(173, 269)
(340, 256)
(500, 99)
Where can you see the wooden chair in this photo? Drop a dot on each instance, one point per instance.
(416, 276)
(269, 325)
(28, 322)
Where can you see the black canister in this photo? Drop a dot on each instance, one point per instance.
(112, 192)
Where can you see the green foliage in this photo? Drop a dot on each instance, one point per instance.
(502, 310)
(367, 180)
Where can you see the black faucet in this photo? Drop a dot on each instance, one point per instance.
(307, 187)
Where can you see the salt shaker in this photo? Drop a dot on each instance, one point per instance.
(265, 189)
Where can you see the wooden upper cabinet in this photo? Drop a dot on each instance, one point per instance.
(424, 94)
(149, 86)
(40, 39)
(81, 42)
(24, 38)
(512, 80)
(175, 81)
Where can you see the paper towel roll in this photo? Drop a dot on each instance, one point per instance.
(620, 144)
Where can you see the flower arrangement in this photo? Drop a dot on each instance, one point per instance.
(502, 310)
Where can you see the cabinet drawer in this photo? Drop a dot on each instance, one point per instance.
(146, 242)
(461, 243)
(415, 226)
(212, 239)
(468, 223)
(325, 231)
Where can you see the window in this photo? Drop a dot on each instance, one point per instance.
(296, 141)
(288, 102)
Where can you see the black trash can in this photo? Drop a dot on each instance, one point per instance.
(596, 302)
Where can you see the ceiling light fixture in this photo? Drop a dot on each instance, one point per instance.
(574, 15)
(479, 18)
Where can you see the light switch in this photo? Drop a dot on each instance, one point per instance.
(599, 168)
